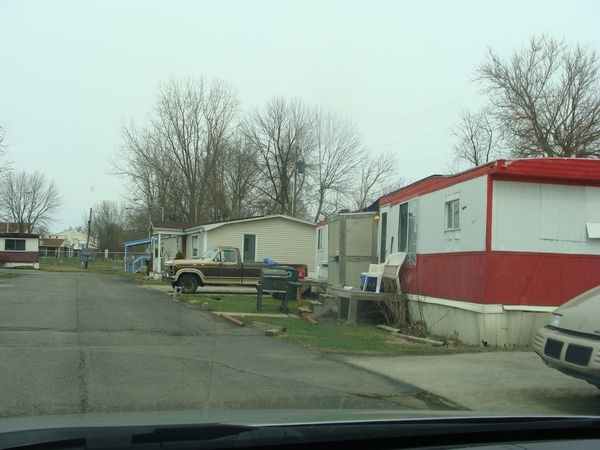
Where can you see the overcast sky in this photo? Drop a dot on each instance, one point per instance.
(71, 72)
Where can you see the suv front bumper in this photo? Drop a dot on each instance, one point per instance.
(574, 354)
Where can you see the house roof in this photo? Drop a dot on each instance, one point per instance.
(579, 171)
(51, 242)
(213, 225)
(20, 235)
(172, 224)
(136, 242)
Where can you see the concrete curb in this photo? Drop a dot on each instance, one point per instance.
(274, 316)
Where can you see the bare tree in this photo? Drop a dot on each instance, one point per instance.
(5, 165)
(151, 173)
(338, 156)
(281, 136)
(546, 97)
(109, 225)
(29, 200)
(176, 162)
(198, 164)
(374, 179)
(239, 178)
(477, 139)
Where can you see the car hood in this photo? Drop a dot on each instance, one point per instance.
(581, 314)
(238, 417)
(188, 262)
(251, 429)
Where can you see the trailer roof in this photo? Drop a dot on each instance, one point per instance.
(576, 171)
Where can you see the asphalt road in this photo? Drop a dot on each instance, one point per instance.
(81, 343)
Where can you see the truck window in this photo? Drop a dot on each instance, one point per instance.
(208, 254)
(228, 256)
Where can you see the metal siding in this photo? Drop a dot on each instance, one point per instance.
(227, 235)
(561, 213)
(433, 237)
(543, 218)
(592, 204)
(31, 245)
(506, 278)
(283, 240)
(497, 329)
(454, 276)
(352, 247)
(539, 279)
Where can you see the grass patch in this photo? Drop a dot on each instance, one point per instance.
(237, 303)
(99, 266)
(334, 337)
(327, 335)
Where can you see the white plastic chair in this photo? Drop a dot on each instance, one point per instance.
(375, 271)
(392, 267)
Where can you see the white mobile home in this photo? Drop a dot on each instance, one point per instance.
(492, 250)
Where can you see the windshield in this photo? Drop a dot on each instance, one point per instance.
(311, 206)
(208, 254)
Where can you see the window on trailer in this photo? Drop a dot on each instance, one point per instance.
(453, 214)
(408, 230)
(14, 244)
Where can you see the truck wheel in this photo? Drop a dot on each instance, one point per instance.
(188, 283)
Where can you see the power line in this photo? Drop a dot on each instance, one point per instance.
(414, 138)
(420, 113)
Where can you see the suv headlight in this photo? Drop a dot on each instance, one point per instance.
(554, 320)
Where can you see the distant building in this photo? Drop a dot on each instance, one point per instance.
(13, 227)
(74, 241)
(57, 247)
(19, 249)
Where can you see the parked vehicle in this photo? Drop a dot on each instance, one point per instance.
(218, 266)
(570, 342)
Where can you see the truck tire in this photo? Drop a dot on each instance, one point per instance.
(188, 283)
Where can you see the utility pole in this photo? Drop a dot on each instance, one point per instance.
(87, 243)
(295, 181)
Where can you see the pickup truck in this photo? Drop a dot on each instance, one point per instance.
(218, 266)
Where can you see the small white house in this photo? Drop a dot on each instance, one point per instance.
(278, 237)
(76, 240)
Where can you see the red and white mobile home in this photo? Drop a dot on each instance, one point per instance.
(492, 250)
(19, 249)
